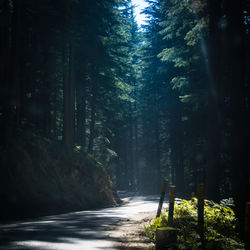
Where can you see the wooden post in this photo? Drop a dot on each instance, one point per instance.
(171, 205)
(165, 237)
(201, 213)
(247, 226)
(163, 192)
(193, 195)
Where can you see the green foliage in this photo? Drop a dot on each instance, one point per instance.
(219, 222)
(195, 34)
(179, 82)
(173, 55)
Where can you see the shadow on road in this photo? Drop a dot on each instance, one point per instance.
(78, 230)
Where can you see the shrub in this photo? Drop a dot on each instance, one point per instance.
(219, 223)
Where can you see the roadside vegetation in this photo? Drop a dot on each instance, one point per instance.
(219, 222)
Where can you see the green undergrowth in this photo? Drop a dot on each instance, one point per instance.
(38, 177)
(219, 221)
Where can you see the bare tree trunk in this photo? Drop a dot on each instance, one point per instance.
(176, 148)
(213, 151)
(12, 105)
(130, 151)
(215, 82)
(240, 114)
(135, 130)
(72, 94)
(157, 152)
(5, 67)
(93, 116)
(68, 84)
(45, 95)
(81, 114)
(66, 96)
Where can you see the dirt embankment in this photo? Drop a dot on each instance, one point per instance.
(41, 177)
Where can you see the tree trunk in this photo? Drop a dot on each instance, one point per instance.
(69, 97)
(136, 151)
(176, 148)
(5, 50)
(45, 100)
(11, 112)
(68, 85)
(157, 153)
(213, 151)
(130, 150)
(81, 115)
(240, 114)
(93, 116)
(214, 115)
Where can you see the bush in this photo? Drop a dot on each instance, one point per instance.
(219, 223)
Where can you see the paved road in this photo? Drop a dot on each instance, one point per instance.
(83, 230)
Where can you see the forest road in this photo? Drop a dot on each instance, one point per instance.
(85, 230)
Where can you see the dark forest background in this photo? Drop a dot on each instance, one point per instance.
(168, 100)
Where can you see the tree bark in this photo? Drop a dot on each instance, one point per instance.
(215, 79)
(81, 114)
(240, 143)
(5, 54)
(177, 147)
(68, 83)
(93, 115)
(45, 95)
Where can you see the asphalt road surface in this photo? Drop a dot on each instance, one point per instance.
(84, 230)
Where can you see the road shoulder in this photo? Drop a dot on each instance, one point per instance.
(129, 235)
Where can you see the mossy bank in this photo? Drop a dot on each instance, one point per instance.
(39, 177)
